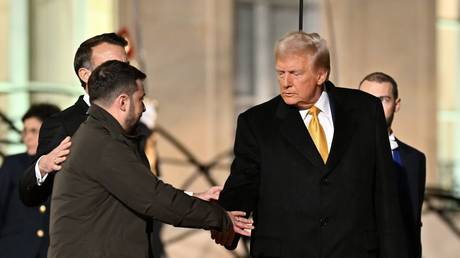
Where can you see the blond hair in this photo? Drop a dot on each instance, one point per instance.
(302, 43)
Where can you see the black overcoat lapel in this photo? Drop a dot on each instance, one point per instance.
(293, 130)
(344, 126)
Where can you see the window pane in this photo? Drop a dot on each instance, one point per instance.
(448, 67)
(259, 24)
(245, 51)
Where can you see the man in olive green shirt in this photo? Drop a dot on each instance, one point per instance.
(105, 194)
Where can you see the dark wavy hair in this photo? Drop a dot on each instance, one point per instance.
(112, 78)
(84, 52)
(40, 111)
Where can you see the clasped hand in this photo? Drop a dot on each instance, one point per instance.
(241, 225)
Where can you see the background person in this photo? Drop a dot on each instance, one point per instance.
(409, 162)
(22, 226)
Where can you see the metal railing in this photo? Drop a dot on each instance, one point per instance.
(446, 205)
(201, 169)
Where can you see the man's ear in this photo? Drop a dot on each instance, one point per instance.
(397, 104)
(321, 76)
(83, 74)
(122, 102)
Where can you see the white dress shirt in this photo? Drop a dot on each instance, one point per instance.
(393, 143)
(324, 117)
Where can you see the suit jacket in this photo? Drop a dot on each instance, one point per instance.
(105, 195)
(54, 129)
(411, 180)
(19, 224)
(302, 207)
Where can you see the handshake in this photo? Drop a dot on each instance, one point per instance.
(241, 225)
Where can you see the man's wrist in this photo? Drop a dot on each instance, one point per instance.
(38, 174)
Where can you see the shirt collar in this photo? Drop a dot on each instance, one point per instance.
(322, 104)
(86, 99)
(393, 143)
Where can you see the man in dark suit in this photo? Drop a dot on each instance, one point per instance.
(21, 225)
(313, 166)
(106, 194)
(54, 141)
(410, 163)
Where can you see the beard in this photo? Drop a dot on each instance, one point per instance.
(132, 119)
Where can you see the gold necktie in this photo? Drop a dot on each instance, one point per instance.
(317, 133)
